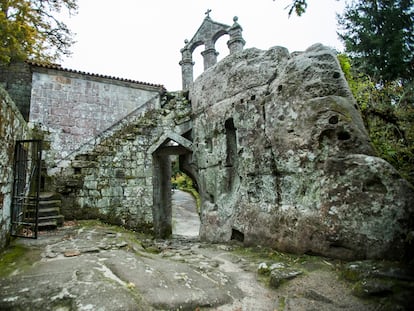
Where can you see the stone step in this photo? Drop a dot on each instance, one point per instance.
(49, 224)
(44, 209)
(51, 211)
(49, 196)
(58, 218)
(46, 204)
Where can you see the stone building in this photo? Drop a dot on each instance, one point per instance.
(273, 141)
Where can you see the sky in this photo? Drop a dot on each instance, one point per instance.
(141, 40)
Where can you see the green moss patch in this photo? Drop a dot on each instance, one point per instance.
(17, 258)
(274, 268)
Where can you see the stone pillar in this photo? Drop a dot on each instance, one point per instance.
(186, 67)
(209, 57)
(162, 214)
(236, 42)
(209, 54)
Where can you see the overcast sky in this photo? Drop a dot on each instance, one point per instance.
(141, 40)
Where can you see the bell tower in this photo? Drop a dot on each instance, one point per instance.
(207, 34)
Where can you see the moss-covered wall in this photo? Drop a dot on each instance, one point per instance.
(12, 127)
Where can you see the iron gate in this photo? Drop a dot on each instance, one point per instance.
(26, 188)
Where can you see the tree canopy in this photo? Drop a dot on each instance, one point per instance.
(29, 29)
(379, 36)
(388, 113)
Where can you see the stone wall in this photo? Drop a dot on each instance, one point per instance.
(16, 79)
(284, 159)
(12, 127)
(111, 178)
(74, 107)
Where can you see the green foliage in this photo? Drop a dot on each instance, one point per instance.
(360, 84)
(388, 113)
(299, 6)
(181, 181)
(30, 30)
(379, 35)
(390, 122)
(379, 41)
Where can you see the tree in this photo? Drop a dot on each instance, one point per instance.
(299, 6)
(379, 42)
(29, 29)
(379, 67)
(379, 36)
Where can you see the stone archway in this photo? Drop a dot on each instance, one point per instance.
(168, 144)
(207, 34)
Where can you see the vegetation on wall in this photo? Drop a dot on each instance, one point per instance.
(388, 113)
(379, 65)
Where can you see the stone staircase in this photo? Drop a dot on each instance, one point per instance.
(49, 216)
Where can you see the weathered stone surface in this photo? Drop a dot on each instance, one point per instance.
(181, 275)
(277, 276)
(12, 127)
(16, 78)
(112, 177)
(75, 107)
(393, 282)
(285, 160)
(71, 253)
(272, 139)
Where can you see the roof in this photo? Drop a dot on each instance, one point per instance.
(60, 68)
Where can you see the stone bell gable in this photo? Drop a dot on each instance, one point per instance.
(207, 34)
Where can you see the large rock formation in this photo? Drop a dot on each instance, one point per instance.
(284, 159)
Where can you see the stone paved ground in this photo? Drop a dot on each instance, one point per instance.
(91, 266)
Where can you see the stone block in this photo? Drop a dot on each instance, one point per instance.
(278, 276)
